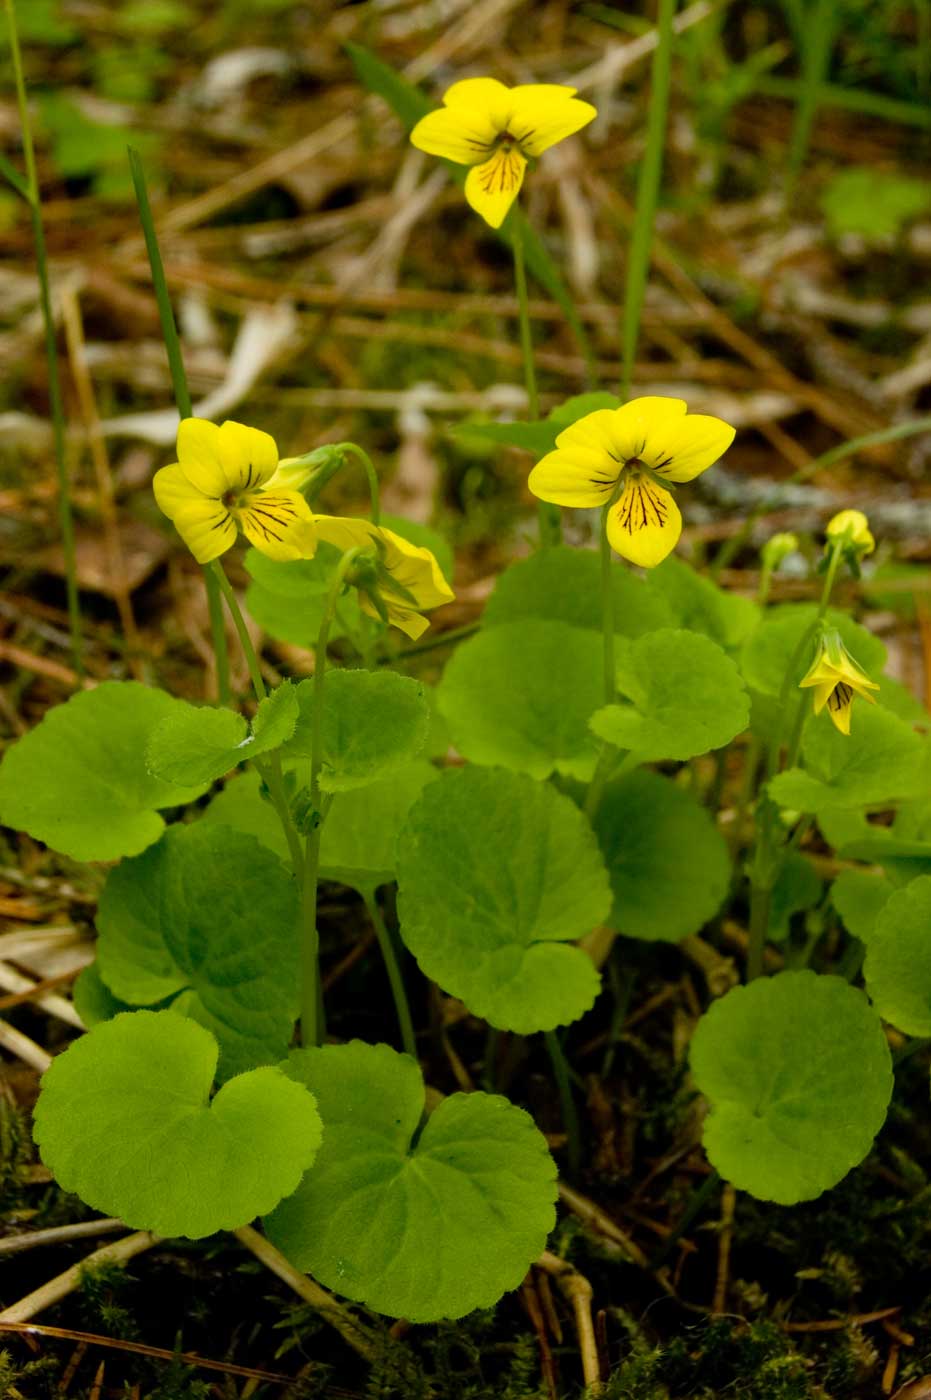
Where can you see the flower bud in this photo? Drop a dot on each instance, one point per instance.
(777, 548)
(851, 529)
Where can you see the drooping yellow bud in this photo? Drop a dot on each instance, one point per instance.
(851, 529)
(836, 679)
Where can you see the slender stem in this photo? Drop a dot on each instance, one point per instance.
(693, 1206)
(216, 571)
(549, 516)
(182, 399)
(65, 516)
(607, 611)
(371, 474)
(273, 776)
(311, 996)
(651, 168)
(395, 977)
(570, 1117)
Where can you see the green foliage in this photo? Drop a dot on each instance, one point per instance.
(798, 886)
(39, 22)
(123, 1120)
(93, 1000)
(799, 1077)
(463, 1200)
(207, 916)
(358, 846)
(776, 644)
(700, 606)
(498, 697)
(197, 745)
(858, 898)
(560, 584)
(668, 864)
(539, 436)
(15, 1155)
(497, 873)
(96, 150)
(873, 204)
(897, 969)
(79, 781)
(374, 722)
(880, 761)
(683, 695)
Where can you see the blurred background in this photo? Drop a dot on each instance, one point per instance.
(331, 283)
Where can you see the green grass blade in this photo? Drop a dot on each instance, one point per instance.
(9, 171)
(816, 31)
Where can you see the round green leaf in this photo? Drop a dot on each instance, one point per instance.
(668, 863)
(700, 606)
(198, 744)
(374, 722)
(774, 645)
(421, 1224)
(798, 1074)
(521, 695)
(125, 1122)
(358, 846)
(882, 759)
(242, 807)
(208, 914)
(859, 898)
(496, 875)
(797, 887)
(79, 781)
(897, 969)
(684, 696)
(560, 584)
(93, 1000)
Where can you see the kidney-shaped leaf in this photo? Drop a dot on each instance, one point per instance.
(684, 697)
(668, 863)
(125, 1122)
(421, 1224)
(373, 723)
(198, 744)
(798, 1074)
(897, 970)
(858, 898)
(700, 605)
(496, 874)
(882, 759)
(521, 695)
(560, 584)
(211, 915)
(79, 781)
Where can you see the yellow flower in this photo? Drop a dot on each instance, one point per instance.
(852, 529)
(223, 482)
(405, 580)
(620, 457)
(836, 679)
(496, 130)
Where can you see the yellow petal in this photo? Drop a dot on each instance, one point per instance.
(173, 490)
(456, 133)
(840, 702)
(544, 113)
(416, 570)
(681, 449)
(404, 618)
(345, 532)
(279, 523)
(206, 527)
(485, 95)
(492, 188)
(823, 691)
(645, 524)
(575, 476)
(248, 457)
(199, 455)
(625, 432)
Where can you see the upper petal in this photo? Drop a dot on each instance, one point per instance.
(461, 134)
(575, 476)
(173, 489)
(248, 457)
(491, 188)
(206, 527)
(544, 113)
(644, 526)
(681, 449)
(199, 455)
(485, 95)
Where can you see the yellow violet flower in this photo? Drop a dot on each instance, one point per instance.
(224, 481)
(836, 679)
(620, 457)
(497, 130)
(406, 578)
(851, 528)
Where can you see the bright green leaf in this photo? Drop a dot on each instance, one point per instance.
(93, 1000)
(374, 722)
(210, 915)
(463, 1205)
(700, 606)
(497, 874)
(882, 759)
(797, 887)
(521, 695)
(124, 1121)
(668, 863)
(897, 970)
(858, 898)
(873, 203)
(200, 744)
(560, 584)
(539, 437)
(683, 694)
(79, 782)
(798, 1074)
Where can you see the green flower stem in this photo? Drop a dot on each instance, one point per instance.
(311, 995)
(355, 450)
(182, 399)
(570, 1117)
(216, 571)
(607, 609)
(549, 516)
(695, 1204)
(31, 193)
(395, 977)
